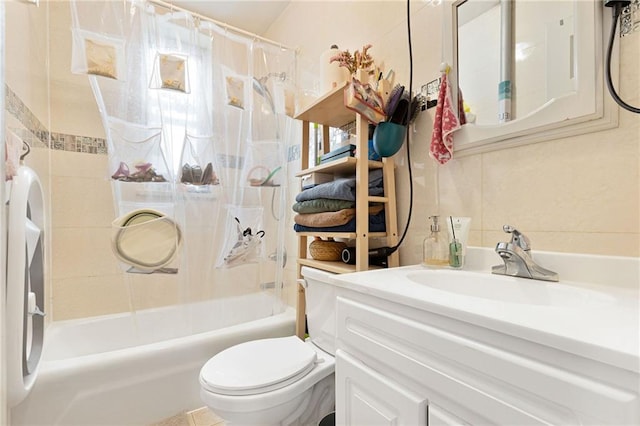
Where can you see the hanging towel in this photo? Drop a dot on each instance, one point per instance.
(444, 124)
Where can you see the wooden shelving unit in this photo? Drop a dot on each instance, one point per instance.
(329, 111)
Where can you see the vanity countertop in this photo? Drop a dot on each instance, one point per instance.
(592, 312)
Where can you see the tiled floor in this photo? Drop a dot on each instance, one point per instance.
(200, 417)
(204, 417)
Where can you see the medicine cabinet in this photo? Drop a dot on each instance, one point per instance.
(527, 71)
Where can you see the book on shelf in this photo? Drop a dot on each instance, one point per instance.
(343, 151)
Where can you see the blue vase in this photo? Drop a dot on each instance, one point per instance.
(388, 138)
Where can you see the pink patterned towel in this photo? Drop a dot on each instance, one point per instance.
(444, 124)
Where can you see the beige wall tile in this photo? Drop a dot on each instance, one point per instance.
(74, 164)
(85, 296)
(27, 71)
(155, 290)
(74, 109)
(290, 290)
(567, 185)
(461, 191)
(82, 252)
(601, 243)
(81, 202)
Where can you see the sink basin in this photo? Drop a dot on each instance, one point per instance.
(506, 289)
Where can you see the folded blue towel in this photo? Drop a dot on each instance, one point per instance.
(343, 188)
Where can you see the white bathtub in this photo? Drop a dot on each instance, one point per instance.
(137, 369)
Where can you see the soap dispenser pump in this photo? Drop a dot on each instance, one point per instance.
(435, 249)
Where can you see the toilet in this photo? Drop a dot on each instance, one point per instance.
(279, 381)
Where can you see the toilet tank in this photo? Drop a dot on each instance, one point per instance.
(320, 298)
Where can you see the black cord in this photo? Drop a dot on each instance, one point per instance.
(387, 251)
(617, 10)
(406, 229)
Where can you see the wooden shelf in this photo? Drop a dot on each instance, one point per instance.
(373, 199)
(342, 165)
(335, 267)
(348, 235)
(329, 110)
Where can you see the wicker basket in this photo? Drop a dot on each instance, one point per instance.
(326, 250)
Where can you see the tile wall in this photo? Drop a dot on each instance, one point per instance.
(574, 194)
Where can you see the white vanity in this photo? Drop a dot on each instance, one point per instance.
(448, 347)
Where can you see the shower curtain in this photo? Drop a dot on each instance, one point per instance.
(198, 124)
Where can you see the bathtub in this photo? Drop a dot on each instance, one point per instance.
(136, 369)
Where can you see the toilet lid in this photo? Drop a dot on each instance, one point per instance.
(258, 366)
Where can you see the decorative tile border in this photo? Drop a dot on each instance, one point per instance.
(73, 143)
(293, 153)
(36, 134)
(630, 18)
(230, 161)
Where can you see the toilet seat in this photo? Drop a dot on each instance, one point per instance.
(258, 366)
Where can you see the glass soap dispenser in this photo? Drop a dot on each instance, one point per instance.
(435, 249)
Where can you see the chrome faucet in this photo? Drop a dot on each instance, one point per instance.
(517, 258)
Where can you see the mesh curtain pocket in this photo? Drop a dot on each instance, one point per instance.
(285, 98)
(235, 88)
(198, 161)
(243, 237)
(171, 71)
(98, 54)
(137, 153)
(263, 164)
(145, 239)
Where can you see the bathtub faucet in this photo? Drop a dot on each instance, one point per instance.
(270, 285)
(274, 256)
(517, 259)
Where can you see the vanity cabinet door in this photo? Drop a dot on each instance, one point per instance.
(366, 397)
(441, 365)
(441, 417)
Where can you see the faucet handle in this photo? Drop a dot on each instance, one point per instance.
(517, 237)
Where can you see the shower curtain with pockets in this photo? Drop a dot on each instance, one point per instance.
(198, 122)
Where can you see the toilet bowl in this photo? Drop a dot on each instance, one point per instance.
(279, 381)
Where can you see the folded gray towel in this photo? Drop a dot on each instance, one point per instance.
(343, 188)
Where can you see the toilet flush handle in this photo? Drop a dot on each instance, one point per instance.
(303, 282)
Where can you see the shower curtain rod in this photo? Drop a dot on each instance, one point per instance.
(171, 6)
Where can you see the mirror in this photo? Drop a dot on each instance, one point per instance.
(537, 58)
(527, 70)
